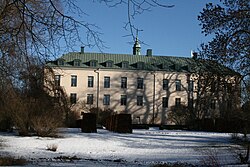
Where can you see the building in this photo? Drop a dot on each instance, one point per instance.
(146, 86)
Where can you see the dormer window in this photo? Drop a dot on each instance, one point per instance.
(93, 63)
(140, 65)
(77, 63)
(60, 62)
(125, 64)
(164, 66)
(109, 64)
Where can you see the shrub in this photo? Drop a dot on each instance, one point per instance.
(52, 147)
(88, 124)
(176, 164)
(46, 125)
(11, 161)
(210, 158)
(102, 115)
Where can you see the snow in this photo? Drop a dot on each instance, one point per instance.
(142, 147)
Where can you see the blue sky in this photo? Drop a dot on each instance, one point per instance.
(168, 31)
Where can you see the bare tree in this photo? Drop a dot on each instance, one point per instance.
(135, 8)
(34, 31)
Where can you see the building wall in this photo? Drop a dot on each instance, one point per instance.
(153, 82)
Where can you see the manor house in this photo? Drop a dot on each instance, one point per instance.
(145, 85)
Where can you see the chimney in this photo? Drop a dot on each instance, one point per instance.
(82, 49)
(149, 52)
(194, 54)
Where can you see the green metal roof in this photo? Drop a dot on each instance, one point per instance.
(151, 63)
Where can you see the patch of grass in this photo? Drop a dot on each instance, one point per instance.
(11, 161)
(52, 147)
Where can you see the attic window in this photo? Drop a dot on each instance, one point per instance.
(125, 64)
(109, 64)
(60, 62)
(93, 63)
(186, 68)
(164, 66)
(77, 63)
(175, 67)
(140, 65)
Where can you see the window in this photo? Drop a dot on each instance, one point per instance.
(90, 98)
(164, 102)
(57, 80)
(178, 85)
(73, 80)
(212, 104)
(139, 83)
(190, 103)
(177, 102)
(165, 84)
(60, 62)
(123, 82)
(57, 96)
(106, 82)
(191, 86)
(123, 100)
(73, 98)
(106, 100)
(90, 81)
(140, 65)
(93, 63)
(77, 63)
(139, 100)
(228, 88)
(109, 64)
(125, 64)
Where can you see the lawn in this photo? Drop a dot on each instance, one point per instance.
(141, 148)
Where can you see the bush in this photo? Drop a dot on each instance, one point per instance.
(176, 164)
(88, 124)
(102, 115)
(11, 161)
(52, 147)
(121, 123)
(46, 125)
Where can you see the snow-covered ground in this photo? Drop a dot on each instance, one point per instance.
(141, 148)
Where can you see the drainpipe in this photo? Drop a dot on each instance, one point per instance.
(153, 73)
(97, 92)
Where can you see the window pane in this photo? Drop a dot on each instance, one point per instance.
(139, 100)
(123, 82)
(177, 102)
(109, 64)
(124, 64)
(72, 98)
(140, 65)
(178, 85)
(106, 100)
(165, 84)
(77, 63)
(73, 80)
(164, 102)
(60, 62)
(90, 98)
(139, 83)
(106, 82)
(92, 63)
(191, 86)
(57, 80)
(123, 100)
(212, 105)
(90, 81)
